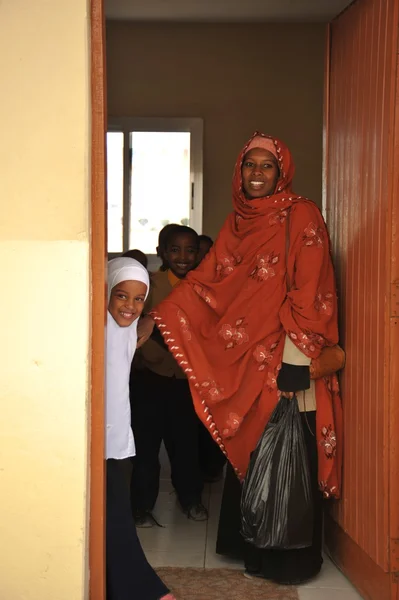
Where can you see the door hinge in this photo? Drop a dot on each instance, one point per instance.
(192, 195)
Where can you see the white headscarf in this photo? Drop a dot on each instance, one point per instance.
(120, 349)
(126, 269)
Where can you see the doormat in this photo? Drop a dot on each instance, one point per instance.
(221, 584)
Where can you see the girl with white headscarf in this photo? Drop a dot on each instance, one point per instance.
(129, 575)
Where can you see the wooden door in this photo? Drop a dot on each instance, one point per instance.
(361, 202)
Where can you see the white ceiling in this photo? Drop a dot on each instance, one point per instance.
(225, 10)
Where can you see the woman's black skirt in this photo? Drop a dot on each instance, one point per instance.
(282, 566)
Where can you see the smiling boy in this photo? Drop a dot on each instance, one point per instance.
(162, 407)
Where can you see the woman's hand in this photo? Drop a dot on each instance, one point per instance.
(288, 395)
(145, 328)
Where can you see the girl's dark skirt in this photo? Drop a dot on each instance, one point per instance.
(129, 575)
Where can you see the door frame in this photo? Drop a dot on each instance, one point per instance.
(98, 259)
(393, 385)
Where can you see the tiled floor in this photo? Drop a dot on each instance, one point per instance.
(184, 543)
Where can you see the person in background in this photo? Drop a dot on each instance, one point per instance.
(257, 312)
(212, 459)
(137, 255)
(162, 407)
(128, 574)
(163, 234)
(206, 244)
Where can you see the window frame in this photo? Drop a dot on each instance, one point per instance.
(193, 125)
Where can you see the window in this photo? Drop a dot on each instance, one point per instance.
(154, 170)
(115, 190)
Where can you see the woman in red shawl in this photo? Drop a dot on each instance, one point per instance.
(244, 338)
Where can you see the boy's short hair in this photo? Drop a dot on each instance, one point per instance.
(163, 234)
(178, 230)
(137, 255)
(206, 238)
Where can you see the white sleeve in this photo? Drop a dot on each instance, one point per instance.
(293, 356)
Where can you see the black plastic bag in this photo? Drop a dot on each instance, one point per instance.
(276, 500)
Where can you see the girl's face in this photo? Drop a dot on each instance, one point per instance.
(260, 173)
(127, 302)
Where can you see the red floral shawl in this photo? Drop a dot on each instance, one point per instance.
(226, 322)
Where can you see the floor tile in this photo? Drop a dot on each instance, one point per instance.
(165, 485)
(190, 537)
(167, 509)
(329, 577)
(214, 561)
(185, 543)
(176, 558)
(164, 462)
(327, 594)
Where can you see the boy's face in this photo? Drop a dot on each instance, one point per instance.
(127, 302)
(181, 253)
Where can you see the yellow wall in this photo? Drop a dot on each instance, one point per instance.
(44, 301)
(238, 78)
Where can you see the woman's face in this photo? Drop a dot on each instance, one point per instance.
(127, 301)
(260, 173)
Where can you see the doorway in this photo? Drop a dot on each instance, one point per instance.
(229, 116)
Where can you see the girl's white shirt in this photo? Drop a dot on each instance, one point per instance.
(121, 345)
